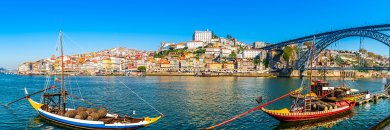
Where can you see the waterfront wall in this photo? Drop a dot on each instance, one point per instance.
(292, 73)
(336, 73)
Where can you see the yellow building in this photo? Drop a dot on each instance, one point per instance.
(216, 44)
(228, 66)
(165, 65)
(214, 66)
(107, 64)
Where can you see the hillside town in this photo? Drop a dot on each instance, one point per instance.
(205, 54)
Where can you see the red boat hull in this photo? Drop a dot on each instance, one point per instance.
(290, 117)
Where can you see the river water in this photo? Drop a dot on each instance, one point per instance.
(186, 102)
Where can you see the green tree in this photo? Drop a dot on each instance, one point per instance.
(171, 48)
(241, 49)
(200, 51)
(228, 36)
(215, 35)
(339, 61)
(141, 68)
(266, 62)
(256, 61)
(296, 49)
(157, 55)
(233, 55)
(287, 53)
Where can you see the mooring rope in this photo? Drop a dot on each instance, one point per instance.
(138, 96)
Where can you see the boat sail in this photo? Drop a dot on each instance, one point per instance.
(54, 108)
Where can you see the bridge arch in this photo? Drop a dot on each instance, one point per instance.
(325, 42)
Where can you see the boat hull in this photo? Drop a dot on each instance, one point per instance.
(304, 116)
(87, 124)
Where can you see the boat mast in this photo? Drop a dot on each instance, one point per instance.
(63, 93)
(311, 62)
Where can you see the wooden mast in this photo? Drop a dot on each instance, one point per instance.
(63, 91)
(311, 62)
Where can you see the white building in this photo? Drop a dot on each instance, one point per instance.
(25, 67)
(212, 51)
(166, 45)
(225, 52)
(258, 45)
(194, 44)
(180, 46)
(251, 53)
(204, 36)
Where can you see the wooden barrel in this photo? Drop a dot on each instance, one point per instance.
(91, 110)
(102, 112)
(375, 98)
(81, 115)
(81, 109)
(93, 116)
(330, 107)
(323, 107)
(314, 106)
(334, 106)
(71, 113)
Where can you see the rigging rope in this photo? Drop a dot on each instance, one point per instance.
(74, 42)
(47, 81)
(138, 95)
(78, 87)
(71, 92)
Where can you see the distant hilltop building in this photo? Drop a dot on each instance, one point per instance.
(195, 44)
(166, 45)
(204, 36)
(258, 45)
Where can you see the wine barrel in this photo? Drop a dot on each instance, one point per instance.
(81, 115)
(93, 116)
(102, 112)
(91, 110)
(81, 109)
(330, 107)
(314, 106)
(333, 105)
(71, 113)
(323, 107)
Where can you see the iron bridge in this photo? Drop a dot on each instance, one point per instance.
(323, 40)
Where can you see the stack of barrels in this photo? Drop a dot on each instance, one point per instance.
(322, 106)
(87, 113)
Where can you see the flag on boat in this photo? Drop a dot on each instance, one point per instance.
(313, 83)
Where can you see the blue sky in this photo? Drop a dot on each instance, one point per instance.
(29, 29)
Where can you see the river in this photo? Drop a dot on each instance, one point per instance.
(187, 102)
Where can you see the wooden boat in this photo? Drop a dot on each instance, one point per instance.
(109, 121)
(305, 107)
(53, 108)
(289, 116)
(317, 103)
